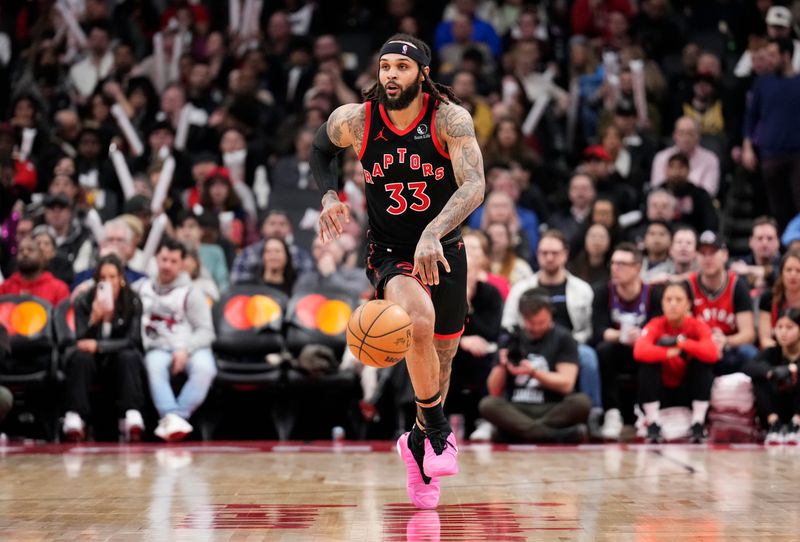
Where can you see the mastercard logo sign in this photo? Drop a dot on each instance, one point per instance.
(330, 316)
(27, 318)
(245, 312)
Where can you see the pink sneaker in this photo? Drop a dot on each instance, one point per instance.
(444, 463)
(422, 495)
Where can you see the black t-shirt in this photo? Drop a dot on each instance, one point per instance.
(558, 346)
(558, 297)
(765, 302)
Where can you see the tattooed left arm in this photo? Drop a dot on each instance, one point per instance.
(457, 131)
(455, 126)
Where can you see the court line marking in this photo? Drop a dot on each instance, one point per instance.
(660, 453)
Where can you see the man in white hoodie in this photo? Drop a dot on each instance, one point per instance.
(177, 331)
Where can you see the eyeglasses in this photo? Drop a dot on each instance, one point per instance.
(624, 264)
(549, 252)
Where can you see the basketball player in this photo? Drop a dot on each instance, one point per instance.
(423, 175)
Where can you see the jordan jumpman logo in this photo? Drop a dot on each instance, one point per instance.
(380, 135)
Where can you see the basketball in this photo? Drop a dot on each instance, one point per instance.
(379, 333)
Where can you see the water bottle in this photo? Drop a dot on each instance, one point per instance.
(337, 434)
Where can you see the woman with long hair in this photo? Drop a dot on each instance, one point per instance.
(108, 348)
(499, 207)
(219, 197)
(676, 352)
(775, 386)
(592, 263)
(785, 294)
(507, 144)
(604, 212)
(476, 245)
(277, 268)
(503, 259)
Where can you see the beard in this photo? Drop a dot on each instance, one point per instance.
(402, 100)
(27, 267)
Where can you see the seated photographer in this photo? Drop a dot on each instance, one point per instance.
(774, 374)
(108, 332)
(531, 393)
(676, 353)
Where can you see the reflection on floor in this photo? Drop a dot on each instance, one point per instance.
(355, 491)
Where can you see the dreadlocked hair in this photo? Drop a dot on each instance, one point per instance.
(442, 93)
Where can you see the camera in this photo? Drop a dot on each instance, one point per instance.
(512, 341)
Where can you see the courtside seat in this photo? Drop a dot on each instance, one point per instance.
(248, 349)
(317, 321)
(318, 318)
(248, 321)
(29, 371)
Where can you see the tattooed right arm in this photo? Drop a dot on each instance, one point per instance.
(346, 125)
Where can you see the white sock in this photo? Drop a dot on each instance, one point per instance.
(699, 409)
(651, 411)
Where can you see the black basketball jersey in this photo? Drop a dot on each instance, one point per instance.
(409, 177)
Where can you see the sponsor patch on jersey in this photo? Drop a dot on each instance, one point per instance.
(422, 132)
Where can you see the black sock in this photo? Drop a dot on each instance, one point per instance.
(434, 418)
(416, 443)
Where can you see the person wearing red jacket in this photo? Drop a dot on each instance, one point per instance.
(677, 354)
(31, 278)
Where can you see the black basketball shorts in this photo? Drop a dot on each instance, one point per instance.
(449, 296)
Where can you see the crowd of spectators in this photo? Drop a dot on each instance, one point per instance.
(153, 154)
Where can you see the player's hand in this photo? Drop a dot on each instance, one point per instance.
(427, 257)
(334, 213)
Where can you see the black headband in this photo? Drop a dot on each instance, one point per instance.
(408, 49)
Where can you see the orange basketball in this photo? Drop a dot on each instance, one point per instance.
(379, 333)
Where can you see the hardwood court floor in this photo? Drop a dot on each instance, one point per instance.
(285, 492)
